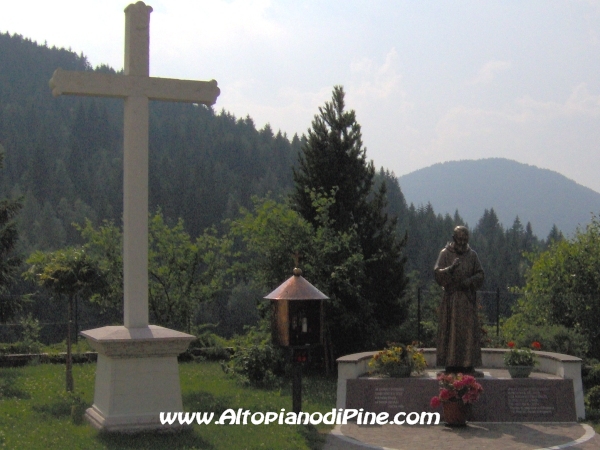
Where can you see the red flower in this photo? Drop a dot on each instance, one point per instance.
(511, 344)
(445, 394)
(536, 345)
(435, 402)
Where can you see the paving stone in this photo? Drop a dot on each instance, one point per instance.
(476, 435)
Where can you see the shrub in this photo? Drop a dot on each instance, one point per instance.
(489, 339)
(554, 338)
(256, 365)
(592, 377)
(208, 345)
(592, 398)
(255, 360)
(30, 335)
(16, 348)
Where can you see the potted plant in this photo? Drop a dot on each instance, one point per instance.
(457, 391)
(520, 361)
(398, 360)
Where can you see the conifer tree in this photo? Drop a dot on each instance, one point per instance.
(333, 157)
(333, 163)
(9, 261)
(555, 235)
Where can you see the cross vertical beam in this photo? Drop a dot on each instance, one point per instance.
(135, 213)
(135, 171)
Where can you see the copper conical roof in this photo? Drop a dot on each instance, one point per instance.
(296, 288)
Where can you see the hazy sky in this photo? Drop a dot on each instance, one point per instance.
(429, 81)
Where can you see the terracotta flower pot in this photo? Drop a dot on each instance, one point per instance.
(519, 371)
(455, 413)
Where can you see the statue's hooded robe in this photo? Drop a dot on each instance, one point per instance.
(459, 332)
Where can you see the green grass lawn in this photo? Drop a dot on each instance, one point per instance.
(36, 413)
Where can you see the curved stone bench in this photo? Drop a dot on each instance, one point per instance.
(563, 366)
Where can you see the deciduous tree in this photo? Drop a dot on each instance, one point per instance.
(563, 286)
(67, 272)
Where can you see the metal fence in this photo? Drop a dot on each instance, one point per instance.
(495, 305)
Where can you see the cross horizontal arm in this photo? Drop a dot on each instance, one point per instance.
(64, 82)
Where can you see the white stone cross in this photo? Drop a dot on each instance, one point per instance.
(136, 87)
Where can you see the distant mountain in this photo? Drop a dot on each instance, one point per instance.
(539, 196)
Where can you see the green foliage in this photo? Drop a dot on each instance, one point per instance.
(104, 245)
(502, 251)
(67, 271)
(554, 338)
(395, 205)
(255, 365)
(65, 155)
(182, 272)
(490, 339)
(205, 337)
(208, 345)
(269, 236)
(563, 285)
(592, 398)
(16, 348)
(430, 299)
(333, 157)
(256, 361)
(9, 260)
(30, 336)
(331, 260)
(334, 192)
(520, 357)
(592, 377)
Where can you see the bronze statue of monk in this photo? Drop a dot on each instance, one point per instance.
(459, 272)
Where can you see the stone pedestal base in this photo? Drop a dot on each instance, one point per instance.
(137, 377)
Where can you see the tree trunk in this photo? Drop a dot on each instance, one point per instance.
(69, 361)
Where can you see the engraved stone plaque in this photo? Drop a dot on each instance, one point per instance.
(526, 400)
(530, 400)
(503, 400)
(390, 395)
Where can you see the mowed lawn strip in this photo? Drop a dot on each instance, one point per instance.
(36, 412)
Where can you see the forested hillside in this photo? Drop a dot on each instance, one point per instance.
(63, 159)
(64, 155)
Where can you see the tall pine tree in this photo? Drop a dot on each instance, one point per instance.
(333, 163)
(9, 261)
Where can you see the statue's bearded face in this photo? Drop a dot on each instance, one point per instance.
(461, 239)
